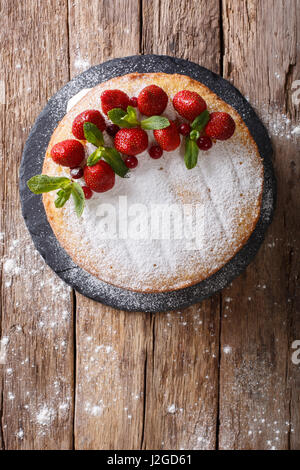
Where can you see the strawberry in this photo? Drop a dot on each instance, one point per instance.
(90, 115)
(168, 138)
(220, 126)
(68, 153)
(131, 141)
(99, 177)
(152, 100)
(111, 99)
(189, 104)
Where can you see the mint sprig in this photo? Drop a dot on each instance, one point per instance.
(109, 154)
(39, 184)
(95, 156)
(200, 122)
(128, 119)
(63, 196)
(155, 122)
(113, 158)
(190, 153)
(93, 134)
(43, 184)
(191, 148)
(117, 116)
(78, 198)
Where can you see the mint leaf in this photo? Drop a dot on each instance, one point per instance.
(131, 116)
(116, 115)
(155, 122)
(95, 156)
(93, 134)
(200, 122)
(191, 153)
(63, 196)
(78, 197)
(113, 158)
(194, 135)
(39, 184)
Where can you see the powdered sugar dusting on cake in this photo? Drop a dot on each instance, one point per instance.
(227, 182)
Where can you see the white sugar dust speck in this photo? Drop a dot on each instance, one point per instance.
(172, 409)
(20, 434)
(44, 416)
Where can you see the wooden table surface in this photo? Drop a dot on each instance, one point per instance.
(76, 374)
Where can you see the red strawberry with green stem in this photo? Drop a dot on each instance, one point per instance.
(189, 104)
(168, 138)
(99, 177)
(111, 99)
(90, 115)
(68, 153)
(152, 100)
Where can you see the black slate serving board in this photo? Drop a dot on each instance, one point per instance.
(41, 232)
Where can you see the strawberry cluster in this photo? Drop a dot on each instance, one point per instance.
(199, 130)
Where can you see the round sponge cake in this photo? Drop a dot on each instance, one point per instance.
(224, 190)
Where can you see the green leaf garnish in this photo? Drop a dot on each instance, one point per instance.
(113, 158)
(95, 156)
(191, 153)
(63, 196)
(200, 122)
(129, 119)
(116, 115)
(43, 184)
(93, 134)
(155, 122)
(78, 197)
(194, 135)
(131, 116)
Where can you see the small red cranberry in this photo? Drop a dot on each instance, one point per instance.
(76, 173)
(87, 192)
(155, 152)
(131, 162)
(184, 129)
(204, 142)
(112, 129)
(133, 102)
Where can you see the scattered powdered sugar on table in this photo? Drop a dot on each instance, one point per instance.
(26, 347)
(277, 122)
(45, 416)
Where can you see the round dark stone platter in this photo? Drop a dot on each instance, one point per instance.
(41, 232)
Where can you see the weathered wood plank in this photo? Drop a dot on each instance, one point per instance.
(36, 357)
(189, 30)
(182, 379)
(101, 30)
(182, 354)
(111, 354)
(260, 391)
(111, 345)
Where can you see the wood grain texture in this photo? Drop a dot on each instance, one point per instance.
(111, 365)
(182, 356)
(186, 29)
(36, 358)
(216, 375)
(111, 354)
(259, 384)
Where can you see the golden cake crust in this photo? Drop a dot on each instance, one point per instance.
(194, 272)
